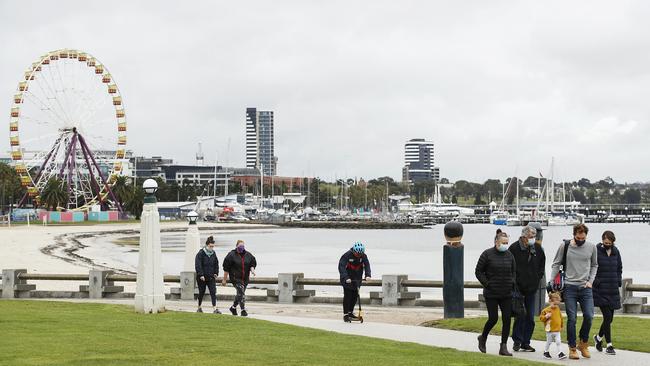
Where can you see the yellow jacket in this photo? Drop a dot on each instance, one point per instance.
(555, 319)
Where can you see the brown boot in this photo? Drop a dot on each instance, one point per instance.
(573, 354)
(583, 347)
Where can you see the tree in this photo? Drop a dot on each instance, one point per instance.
(54, 194)
(584, 183)
(579, 196)
(632, 196)
(121, 189)
(9, 185)
(134, 203)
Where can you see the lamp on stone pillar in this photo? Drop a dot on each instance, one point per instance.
(192, 242)
(192, 246)
(149, 294)
(453, 291)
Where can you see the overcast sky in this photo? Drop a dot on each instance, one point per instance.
(499, 86)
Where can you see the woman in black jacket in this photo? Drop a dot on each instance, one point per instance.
(237, 266)
(206, 266)
(496, 271)
(606, 288)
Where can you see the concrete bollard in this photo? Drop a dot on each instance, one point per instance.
(289, 291)
(12, 286)
(99, 286)
(393, 293)
(188, 285)
(630, 303)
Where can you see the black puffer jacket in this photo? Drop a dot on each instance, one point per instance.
(608, 278)
(206, 266)
(239, 266)
(353, 267)
(531, 265)
(496, 271)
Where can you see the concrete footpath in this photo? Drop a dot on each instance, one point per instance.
(462, 341)
(397, 324)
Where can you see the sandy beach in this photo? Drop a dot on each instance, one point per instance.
(52, 249)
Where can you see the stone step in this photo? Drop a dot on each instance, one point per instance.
(24, 287)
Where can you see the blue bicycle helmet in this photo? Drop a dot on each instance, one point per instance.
(358, 247)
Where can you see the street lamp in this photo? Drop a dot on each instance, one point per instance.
(192, 216)
(150, 187)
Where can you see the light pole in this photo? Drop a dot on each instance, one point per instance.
(149, 294)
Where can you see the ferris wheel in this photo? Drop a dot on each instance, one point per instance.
(68, 122)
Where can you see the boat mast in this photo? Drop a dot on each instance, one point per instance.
(517, 183)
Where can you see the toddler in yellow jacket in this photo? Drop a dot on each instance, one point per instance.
(552, 319)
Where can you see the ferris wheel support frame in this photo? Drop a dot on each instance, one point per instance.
(84, 147)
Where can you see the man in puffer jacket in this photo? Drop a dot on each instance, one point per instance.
(352, 266)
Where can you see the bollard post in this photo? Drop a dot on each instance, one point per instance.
(289, 291)
(149, 294)
(453, 280)
(630, 303)
(12, 286)
(188, 284)
(393, 293)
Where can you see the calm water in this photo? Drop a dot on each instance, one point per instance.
(418, 253)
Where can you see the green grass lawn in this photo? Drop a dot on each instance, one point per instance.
(60, 333)
(630, 333)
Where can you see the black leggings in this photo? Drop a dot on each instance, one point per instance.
(606, 326)
(210, 282)
(349, 300)
(240, 297)
(493, 316)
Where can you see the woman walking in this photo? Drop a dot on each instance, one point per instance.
(206, 265)
(237, 266)
(496, 271)
(606, 288)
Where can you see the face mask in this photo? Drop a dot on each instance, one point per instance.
(608, 246)
(502, 248)
(580, 242)
(241, 249)
(531, 241)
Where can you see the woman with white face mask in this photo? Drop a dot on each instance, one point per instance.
(496, 271)
(606, 289)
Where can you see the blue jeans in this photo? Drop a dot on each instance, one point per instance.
(522, 331)
(572, 296)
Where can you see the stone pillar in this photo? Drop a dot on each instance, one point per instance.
(630, 303)
(453, 292)
(192, 245)
(149, 294)
(12, 286)
(286, 285)
(391, 289)
(96, 283)
(188, 285)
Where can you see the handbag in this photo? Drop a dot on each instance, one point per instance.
(518, 308)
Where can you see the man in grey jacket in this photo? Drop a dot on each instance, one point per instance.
(580, 271)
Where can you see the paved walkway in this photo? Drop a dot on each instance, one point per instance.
(449, 338)
(327, 317)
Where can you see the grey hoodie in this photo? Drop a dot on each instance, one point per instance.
(581, 264)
